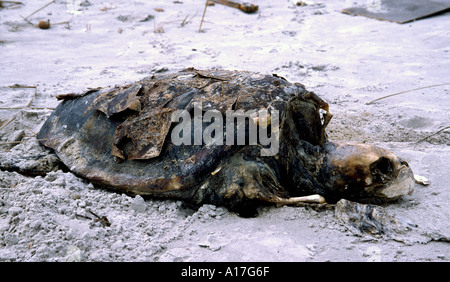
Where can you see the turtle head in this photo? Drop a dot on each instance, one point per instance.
(365, 173)
(355, 171)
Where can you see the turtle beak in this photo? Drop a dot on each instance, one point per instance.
(368, 173)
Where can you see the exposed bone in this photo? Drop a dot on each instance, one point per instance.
(316, 198)
(216, 170)
(421, 180)
(327, 118)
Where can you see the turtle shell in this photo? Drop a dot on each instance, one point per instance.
(120, 137)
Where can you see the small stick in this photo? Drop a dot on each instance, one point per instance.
(27, 21)
(3, 126)
(10, 2)
(18, 142)
(186, 20)
(9, 143)
(34, 133)
(32, 98)
(371, 102)
(204, 12)
(24, 86)
(66, 22)
(21, 86)
(91, 212)
(102, 219)
(40, 9)
(83, 216)
(245, 7)
(21, 108)
(447, 127)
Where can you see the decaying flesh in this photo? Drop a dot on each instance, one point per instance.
(119, 138)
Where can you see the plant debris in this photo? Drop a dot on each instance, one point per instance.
(102, 219)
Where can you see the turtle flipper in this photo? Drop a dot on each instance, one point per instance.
(242, 183)
(32, 162)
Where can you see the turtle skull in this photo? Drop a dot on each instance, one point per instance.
(368, 173)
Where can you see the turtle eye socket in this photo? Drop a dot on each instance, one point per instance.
(382, 170)
(404, 163)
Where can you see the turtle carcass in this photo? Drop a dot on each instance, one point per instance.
(232, 138)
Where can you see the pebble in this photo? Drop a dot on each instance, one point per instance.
(138, 204)
(14, 211)
(118, 245)
(75, 196)
(11, 239)
(125, 200)
(349, 247)
(50, 177)
(73, 254)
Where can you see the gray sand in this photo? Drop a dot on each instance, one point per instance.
(348, 61)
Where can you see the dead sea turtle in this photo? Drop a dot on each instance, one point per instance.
(168, 136)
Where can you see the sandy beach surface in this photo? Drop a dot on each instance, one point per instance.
(348, 61)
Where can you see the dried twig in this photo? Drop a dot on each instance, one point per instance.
(18, 142)
(66, 22)
(29, 102)
(203, 17)
(27, 21)
(158, 28)
(10, 2)
(51, 2)
(13, 2)
(21, 86)
(433, 36)
(186, 20)
(3, 126)
(102, 219)
(436, 85)
(32, 98)
(244, 7)
(82, 216)
(34, 133)
(439, 131)
(9, 143)
(31, 108)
